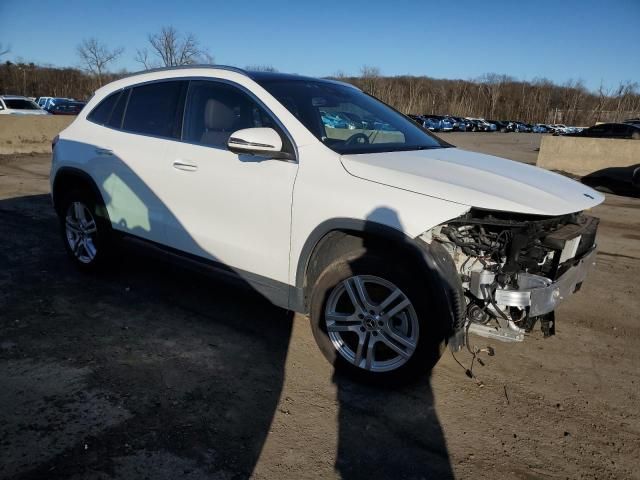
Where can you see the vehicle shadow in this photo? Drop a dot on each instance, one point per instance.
(392, 431)
(179, 372)
(389, 434)
(617, 180)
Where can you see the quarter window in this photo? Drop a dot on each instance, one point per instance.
(101, 113)
(215, 110)
(156, 109)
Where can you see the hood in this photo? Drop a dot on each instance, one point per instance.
(476, 180)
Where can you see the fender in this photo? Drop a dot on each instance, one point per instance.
(437, 263)
(66, 173)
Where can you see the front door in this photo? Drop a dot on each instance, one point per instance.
(233, 209)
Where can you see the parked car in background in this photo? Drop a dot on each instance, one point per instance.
(483, 126)
(513, 126)
(53, 101)
(41, 101)
(67, 108)
(610, 130)
(474, 125)
(336, 120)
(445, 123)
(500, 125)
(560, 129)
(431, 124)
(415, 242)
(539, 128)
(463, 124)
(18, 105)
(459, 124)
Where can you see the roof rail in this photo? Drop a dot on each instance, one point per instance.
(182, 67)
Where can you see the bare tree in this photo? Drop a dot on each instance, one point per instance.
(96, 57)
(173, 49)
(4, 49)
(261, 68)
(142, 56)
(370, 76)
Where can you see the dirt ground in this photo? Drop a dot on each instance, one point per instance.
(152, 372)
(522, 147)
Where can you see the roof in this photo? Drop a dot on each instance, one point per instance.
(258, 76)
(14, 97)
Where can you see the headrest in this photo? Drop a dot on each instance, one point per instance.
(217, 116)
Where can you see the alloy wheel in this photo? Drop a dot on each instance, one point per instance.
(371, 323)
(81, 229)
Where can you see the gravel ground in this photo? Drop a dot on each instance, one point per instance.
(152, 372)
(522, 147)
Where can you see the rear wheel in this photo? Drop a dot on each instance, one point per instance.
(373, 318)
(86, 233)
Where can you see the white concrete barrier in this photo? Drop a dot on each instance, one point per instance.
(581, 156)
(30, 133)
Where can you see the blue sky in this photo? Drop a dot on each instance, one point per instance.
(596, 41)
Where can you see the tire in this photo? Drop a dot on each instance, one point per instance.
(86, 231)
(635, 136)
(415, 330)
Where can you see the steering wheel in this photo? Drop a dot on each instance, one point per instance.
(357, 138)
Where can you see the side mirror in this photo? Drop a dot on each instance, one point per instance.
(258, 141)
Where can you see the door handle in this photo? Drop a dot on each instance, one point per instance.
(186, 166)
(104, 151)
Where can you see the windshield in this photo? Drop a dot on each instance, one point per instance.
(20, 104)
(347, 120)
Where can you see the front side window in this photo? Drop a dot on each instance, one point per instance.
(348, 120)
(156, 109)
(215, 110)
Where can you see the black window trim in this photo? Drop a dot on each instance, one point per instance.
(189, 79)
(127, 92)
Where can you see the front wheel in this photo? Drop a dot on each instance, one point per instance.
(373, 318)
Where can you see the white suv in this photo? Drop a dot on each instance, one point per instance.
(17, 105)
(390, 239)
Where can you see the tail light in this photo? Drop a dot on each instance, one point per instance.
(54, 141)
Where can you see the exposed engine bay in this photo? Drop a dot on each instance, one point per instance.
(515, 269)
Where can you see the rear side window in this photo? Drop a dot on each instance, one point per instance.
(101, 113)
(156, 109)
(115, 120)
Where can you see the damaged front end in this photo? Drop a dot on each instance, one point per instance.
(515, 269)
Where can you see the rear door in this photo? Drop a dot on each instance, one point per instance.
(134, 152)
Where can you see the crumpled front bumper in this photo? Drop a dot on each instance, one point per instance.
(542, 295)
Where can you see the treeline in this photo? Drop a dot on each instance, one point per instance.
(493, 96)
(33, 80)
(499, 97)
